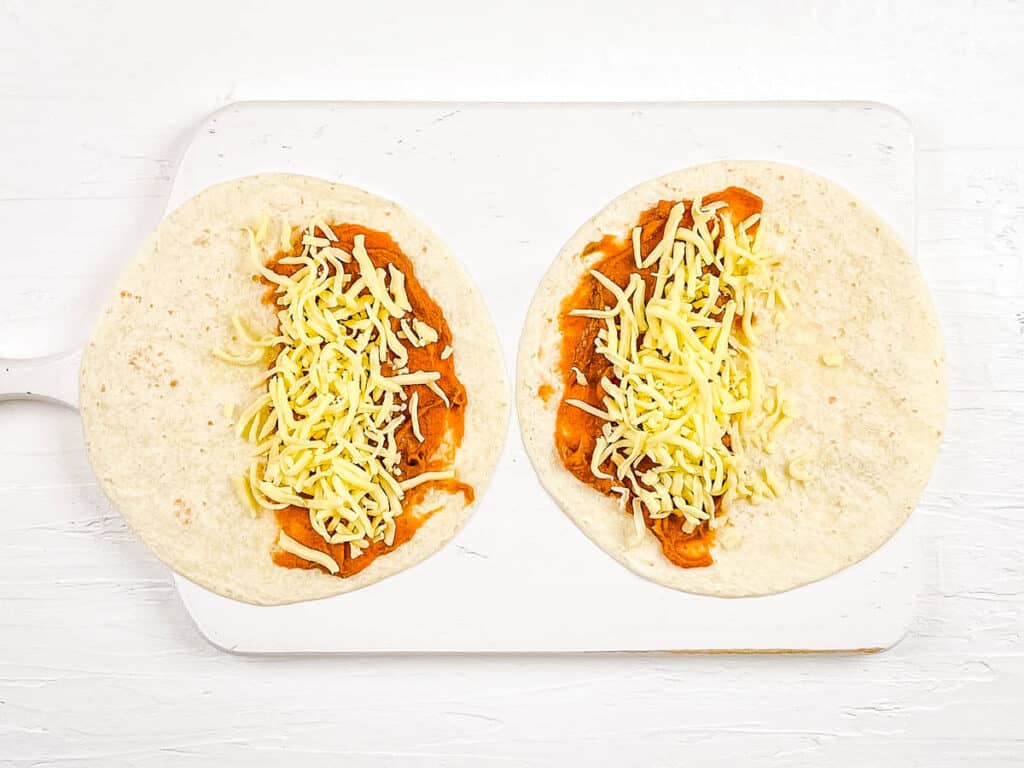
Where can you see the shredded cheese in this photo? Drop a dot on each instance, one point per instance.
(686, 395)
(324, 426)
(424, 477)
(426, 334)
(832, 359)
(797, 469)
(285, 235)
(414, 414)
(290, 545)
(241, 487)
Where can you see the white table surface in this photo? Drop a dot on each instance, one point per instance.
(99, 665)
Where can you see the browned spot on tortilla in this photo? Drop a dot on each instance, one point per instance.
(182, 512)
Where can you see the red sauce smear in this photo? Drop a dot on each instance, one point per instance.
(576, 431)
(442, 427)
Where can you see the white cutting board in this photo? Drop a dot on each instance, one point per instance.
(505, 185)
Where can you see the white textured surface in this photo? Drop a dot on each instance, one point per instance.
(99, 664)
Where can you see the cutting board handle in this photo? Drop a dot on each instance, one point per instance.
(53, 379)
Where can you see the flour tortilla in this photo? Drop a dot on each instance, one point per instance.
(855, 290)
(153, 396)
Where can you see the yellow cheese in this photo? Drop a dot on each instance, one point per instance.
(832, 359)
(290, 545)
(773, 482)
(796, 468)
(398, 288)
(436, 389)
(686, 393)
(414, 403)
(251, 357)
(426, 334)
(324, 425)
(325, 230)
(240, 486)
(423, 477)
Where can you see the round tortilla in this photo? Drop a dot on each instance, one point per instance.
(153, 396)
(871, 427)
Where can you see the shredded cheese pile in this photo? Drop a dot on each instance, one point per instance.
(325, 425)
(688, 397)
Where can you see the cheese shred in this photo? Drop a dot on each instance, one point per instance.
(290, 545)
(683, 398)
(324, 425)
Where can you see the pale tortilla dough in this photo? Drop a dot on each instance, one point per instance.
(856, 291)
(164, 453)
